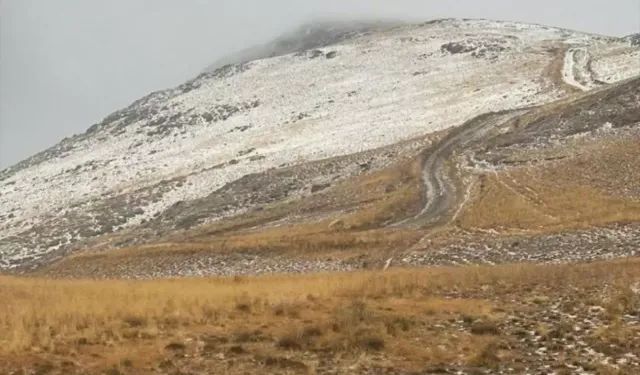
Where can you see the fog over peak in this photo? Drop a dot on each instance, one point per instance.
(66, 64)
(315, 33)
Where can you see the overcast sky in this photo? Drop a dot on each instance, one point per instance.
(66, 64)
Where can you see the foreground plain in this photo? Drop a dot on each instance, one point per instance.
(472, 320)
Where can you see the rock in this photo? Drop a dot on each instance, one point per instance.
(331, 55)
(633, 39)
(319, 187)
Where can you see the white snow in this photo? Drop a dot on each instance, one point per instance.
(616, 63)
(609, 63)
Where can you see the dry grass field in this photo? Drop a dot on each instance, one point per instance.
(398, 321)
(595, 185)
(523, 201)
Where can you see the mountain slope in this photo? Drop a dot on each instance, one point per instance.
(552, 183)
(260, 137)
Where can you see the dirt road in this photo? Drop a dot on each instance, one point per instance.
(439, 173)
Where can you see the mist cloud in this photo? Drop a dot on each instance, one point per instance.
(66, 64)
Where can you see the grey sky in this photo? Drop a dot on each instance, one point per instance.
(66, 64)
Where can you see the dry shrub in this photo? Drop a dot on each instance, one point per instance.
(292, 340)
(312, 331)
(485, 328)
(488, 356)
(135, 321)
(397, 324)
(244, 336)
(281, 362)
(175, 346)
(243, 307)
(114, 371)
(237, 349)
(288, 309)
(559, 330)
(371, 342)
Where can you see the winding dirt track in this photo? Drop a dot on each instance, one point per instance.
(442, 195)
(577, 70)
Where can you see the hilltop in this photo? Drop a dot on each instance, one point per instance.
(337, 133)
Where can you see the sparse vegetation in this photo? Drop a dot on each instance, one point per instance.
(485, 328)
(524, 201)
(360, 230)
(415, 319)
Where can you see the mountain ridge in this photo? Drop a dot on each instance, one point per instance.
(223, 128)
(323, 32)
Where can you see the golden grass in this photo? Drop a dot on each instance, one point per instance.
(597, 187)
(611, 166)
(347, 314)
(299, 240)
(518, 201)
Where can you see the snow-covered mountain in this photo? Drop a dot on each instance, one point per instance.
(339, 92)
